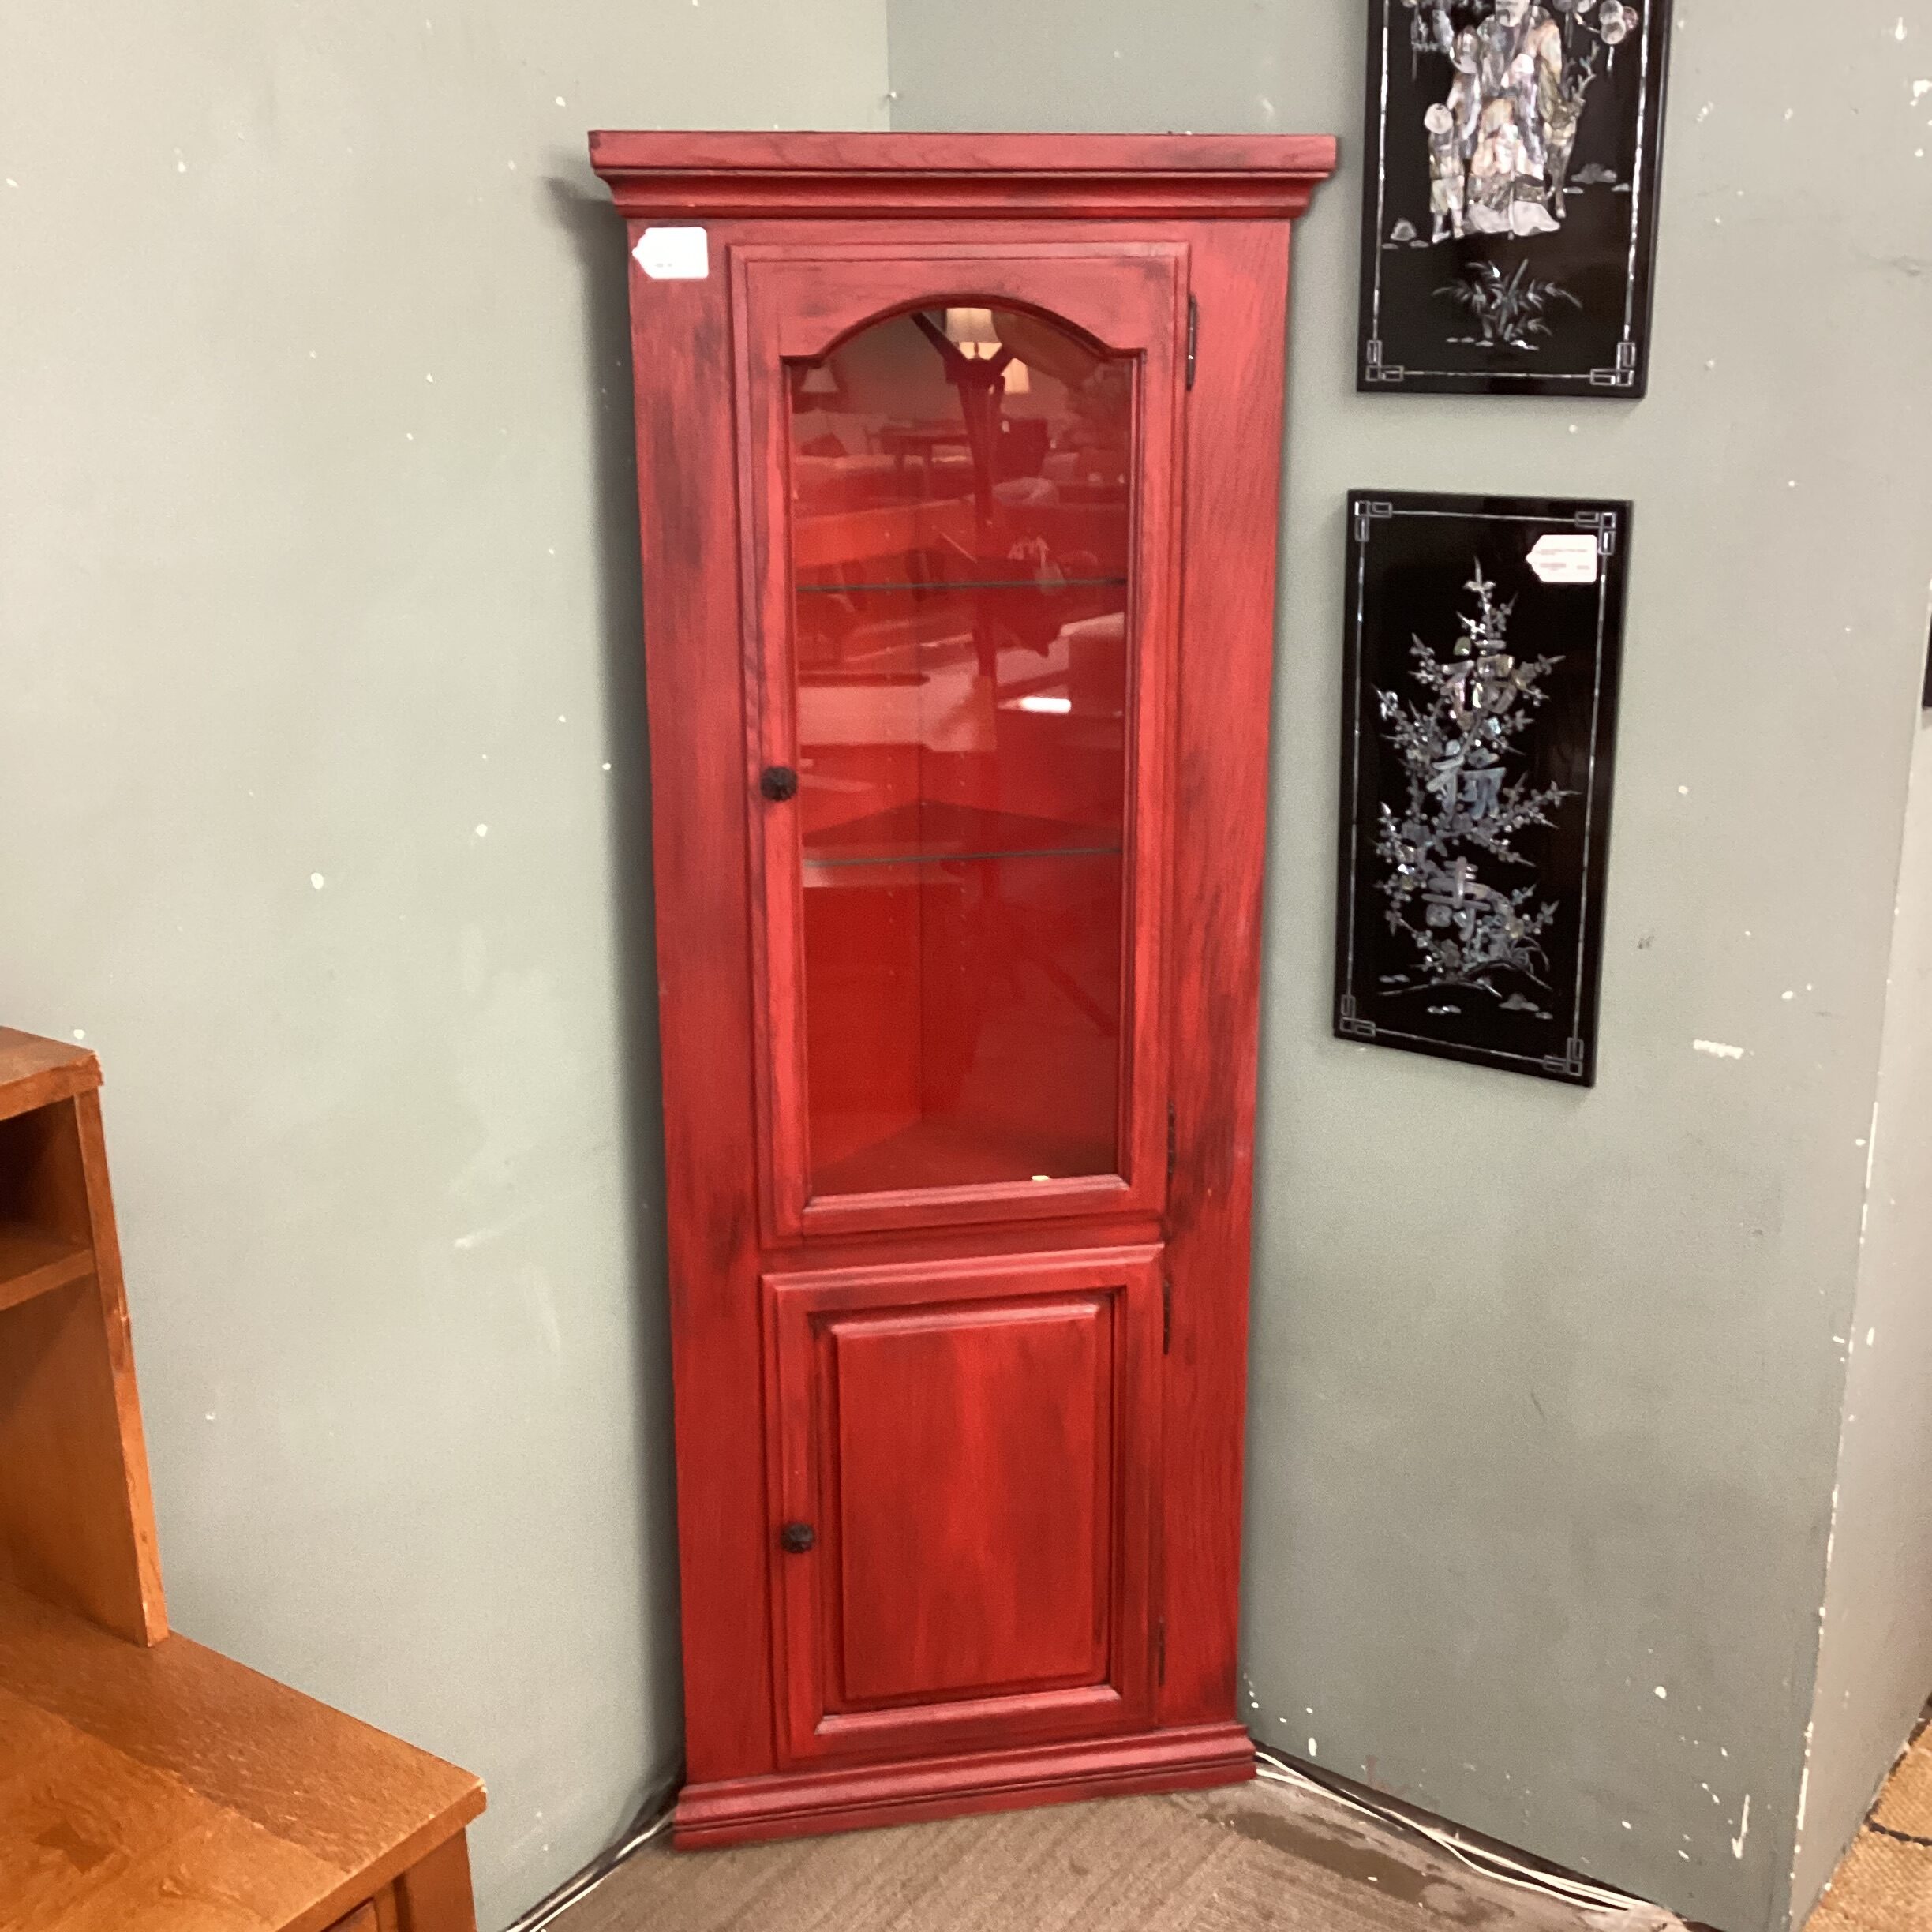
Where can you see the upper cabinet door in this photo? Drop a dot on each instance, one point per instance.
(961, 595)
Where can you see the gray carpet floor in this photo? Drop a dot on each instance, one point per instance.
(1254, 1858)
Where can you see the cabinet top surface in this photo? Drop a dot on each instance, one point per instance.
(34, 1071)
(1259, 176)
(255, 1802)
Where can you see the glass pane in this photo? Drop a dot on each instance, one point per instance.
(961, 534)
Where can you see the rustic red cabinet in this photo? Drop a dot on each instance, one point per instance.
(957, 461)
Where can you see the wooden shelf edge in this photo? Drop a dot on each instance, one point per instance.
(26, 1091)
(803, 1803)
(33, 1262)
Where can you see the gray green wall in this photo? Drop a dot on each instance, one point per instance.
(1875, 1654)
(1547, 1385)
(317, 555)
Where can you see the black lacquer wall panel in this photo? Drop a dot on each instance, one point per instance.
(1478, 730)
(1509, 210)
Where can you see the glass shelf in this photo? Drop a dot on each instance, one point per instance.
(953, 858)
(930, 832)
(961, 583)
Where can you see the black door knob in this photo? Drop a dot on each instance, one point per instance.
(778, 783)
(797, 1538)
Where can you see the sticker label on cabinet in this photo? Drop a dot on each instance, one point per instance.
(1564, 559)
(674, 254)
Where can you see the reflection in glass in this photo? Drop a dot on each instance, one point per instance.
(960, 528)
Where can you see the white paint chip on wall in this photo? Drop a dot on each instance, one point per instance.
(1717, 1050)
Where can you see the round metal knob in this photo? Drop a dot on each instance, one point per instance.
(778, 783)
(797, 1538)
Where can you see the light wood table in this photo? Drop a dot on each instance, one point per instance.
(147, 1784)
(168, 1789)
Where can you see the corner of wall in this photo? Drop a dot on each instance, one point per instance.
(1874, 1651)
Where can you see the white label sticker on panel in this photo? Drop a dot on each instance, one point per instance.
(1565, 559)
(674, 254)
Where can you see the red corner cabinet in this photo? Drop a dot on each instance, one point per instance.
(957, 458)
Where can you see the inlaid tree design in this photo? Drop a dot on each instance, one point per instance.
(1468, 799)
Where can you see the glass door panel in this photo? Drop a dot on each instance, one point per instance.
(961, 531)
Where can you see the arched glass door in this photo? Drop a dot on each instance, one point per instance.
(964, 590)
(960, 533)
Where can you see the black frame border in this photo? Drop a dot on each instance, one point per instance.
(1629, 379)
(1612, 519)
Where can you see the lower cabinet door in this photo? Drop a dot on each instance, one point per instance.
(963, 1459)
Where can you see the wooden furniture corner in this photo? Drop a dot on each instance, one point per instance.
(147, 1784)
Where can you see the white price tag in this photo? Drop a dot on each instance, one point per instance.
(674, 254)
(1564, 559)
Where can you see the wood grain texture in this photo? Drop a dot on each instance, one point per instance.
(1220, 810)
(971, 1475)
(112, 1292)
(34, 1262)
(77, 1513)
(846, 176)
(975, 1445)
(790, 1805)
(152, 1789)
(434, 1894)
(35, 1072)
(680, 351)
(147, 1784)
(821, 1689)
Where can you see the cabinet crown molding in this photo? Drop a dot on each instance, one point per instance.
(1204, 177)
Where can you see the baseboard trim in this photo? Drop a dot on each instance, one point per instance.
(795, 1804)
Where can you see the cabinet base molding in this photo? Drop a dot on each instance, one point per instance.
(797, 1804)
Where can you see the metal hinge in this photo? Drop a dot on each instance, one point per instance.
(1193, 335)
(1160, 1652)
(1166, 1314)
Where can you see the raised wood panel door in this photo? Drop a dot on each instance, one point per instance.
(960, 561)
(965, 1456)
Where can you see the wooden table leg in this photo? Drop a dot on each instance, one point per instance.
(434, 1893)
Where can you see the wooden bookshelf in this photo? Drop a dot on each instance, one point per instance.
(34, 1262)
(77, 1515)
(147, 1784)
